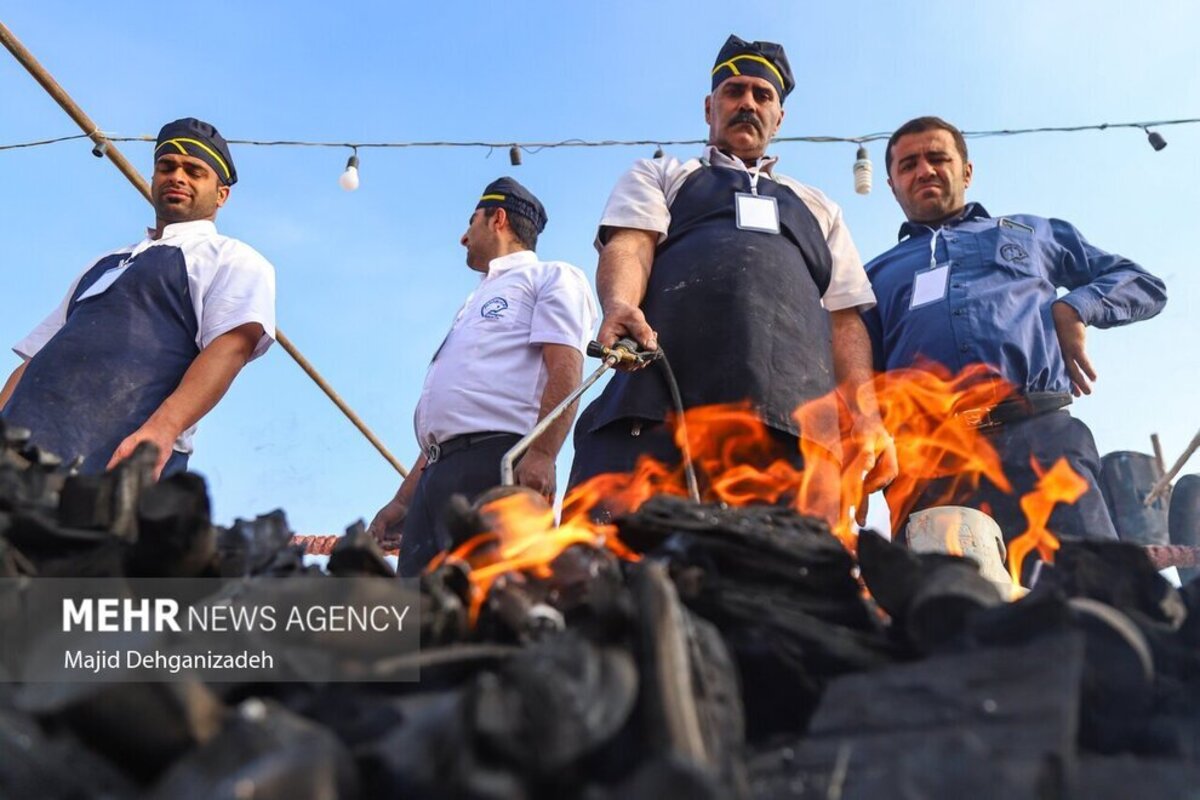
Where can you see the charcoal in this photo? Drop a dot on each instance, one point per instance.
(1044, 611)
(432, 756)
(1189, 631)
(949, 599)
(1115, 778)
(442, 667)
(87, 502)
(444, 592)
(176, 538)
(554, 702)
(994, 723)
(36, 765)
(690, 706)
(1118, 677)
(353, 714)
(1173, 728)
(286, 562)
(247, 547)
(1118, 574)
(12, 562)
(660, 778)
(718, 703)
(142, 726)
(759, 544)
(515, 610)
(265, 752)
(55, 551)
(30, 478)
(779, 587)
(931, 597)
(357, 553)
(588, 586)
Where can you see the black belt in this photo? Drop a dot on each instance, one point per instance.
(1014, 409)
(438, 451)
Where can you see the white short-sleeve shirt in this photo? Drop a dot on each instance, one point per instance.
(643, 196)
(230, 285)
(488, 374)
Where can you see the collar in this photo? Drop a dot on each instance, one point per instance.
(970, 211)
(185, 228)
(510, 261)
(719, 159)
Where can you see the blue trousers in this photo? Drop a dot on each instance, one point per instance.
(469, 472)
(1046, 438)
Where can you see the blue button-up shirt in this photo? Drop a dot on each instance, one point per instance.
(1003, 277)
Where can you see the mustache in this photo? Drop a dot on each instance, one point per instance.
(748, 118)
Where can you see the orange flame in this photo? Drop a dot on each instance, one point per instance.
(1060, 484)
(738, 463)
(523, 538)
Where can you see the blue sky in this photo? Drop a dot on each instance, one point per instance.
(369, 281)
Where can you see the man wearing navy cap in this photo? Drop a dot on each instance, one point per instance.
(747, 279)
(149, 337)
(514, 351)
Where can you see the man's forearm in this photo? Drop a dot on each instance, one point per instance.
(408, 486)
(852, 361)
(564, 366)
(207, 379)
(10, 385)
(624, 267)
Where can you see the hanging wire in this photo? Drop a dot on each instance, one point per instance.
(534, 147)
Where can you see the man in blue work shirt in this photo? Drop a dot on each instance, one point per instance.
(148, 338)
(963, 288)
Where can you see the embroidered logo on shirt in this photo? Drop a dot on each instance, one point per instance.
(1014, 253)
(494, 308)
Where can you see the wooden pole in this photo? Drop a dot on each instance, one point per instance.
(1161, 485)
(52, 87)
(1158, 453)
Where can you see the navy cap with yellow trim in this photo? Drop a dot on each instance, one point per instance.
(192, 137)
(758, 59)
(506, 193)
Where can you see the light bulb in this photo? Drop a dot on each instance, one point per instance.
(1156, 139)
(658, 152)
(349, 178)
(862, 171)
(514, 156)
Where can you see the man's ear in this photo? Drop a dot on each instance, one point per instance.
(968, 171)
(222, 195)
(708, 109)
(499, 220)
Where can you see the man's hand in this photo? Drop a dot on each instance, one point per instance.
(203, 384)
(161, 436)
(1071, 336)
(877, 458)
(625, 321)
(536, 471)
(388, 525)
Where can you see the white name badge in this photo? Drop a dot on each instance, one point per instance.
(104, 281)
(929, 285)
(757, 213)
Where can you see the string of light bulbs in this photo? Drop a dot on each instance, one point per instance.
(862, 168)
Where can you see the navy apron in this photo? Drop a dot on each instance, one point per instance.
(118, 356)
(738, 312)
